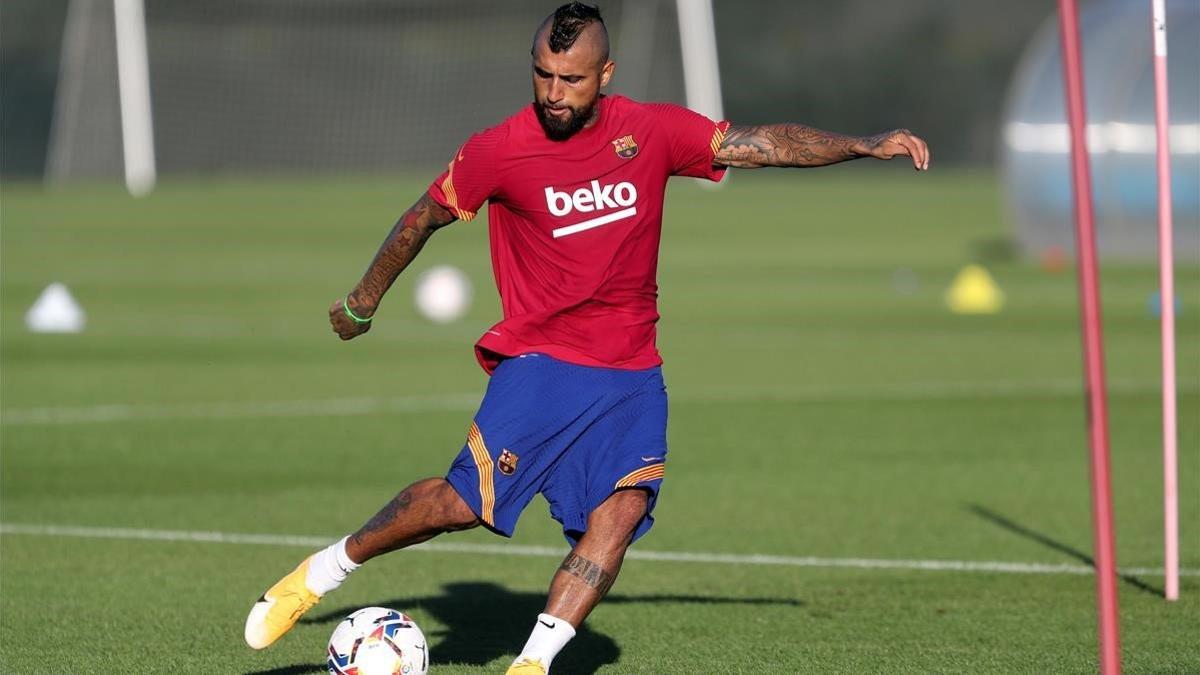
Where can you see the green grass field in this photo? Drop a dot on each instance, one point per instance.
(816, 411)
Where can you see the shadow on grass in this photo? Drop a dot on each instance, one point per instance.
(298, 669)
(1019, 529)
(485, 621)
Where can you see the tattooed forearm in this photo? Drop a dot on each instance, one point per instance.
(407, 237)
(751, 147)
(386, 515)
(589, 572)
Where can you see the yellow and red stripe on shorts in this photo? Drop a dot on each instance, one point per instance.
(646, 473)
(483, 465)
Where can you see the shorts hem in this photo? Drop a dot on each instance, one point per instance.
(470, 496)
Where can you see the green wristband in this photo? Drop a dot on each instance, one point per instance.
(355, 319)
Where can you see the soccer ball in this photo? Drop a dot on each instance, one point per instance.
(377, 641)
(443, 294)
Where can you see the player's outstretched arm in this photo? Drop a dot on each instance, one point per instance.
(753, 147)
(407, 237)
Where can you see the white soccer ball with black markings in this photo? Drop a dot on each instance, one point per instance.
(377, 641)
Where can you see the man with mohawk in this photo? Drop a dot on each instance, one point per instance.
(576, 408)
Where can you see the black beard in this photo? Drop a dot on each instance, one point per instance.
(561, 130)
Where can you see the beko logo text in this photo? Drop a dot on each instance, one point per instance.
(597, 197)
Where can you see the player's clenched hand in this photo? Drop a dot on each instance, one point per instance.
(896, 142)
(343, 324)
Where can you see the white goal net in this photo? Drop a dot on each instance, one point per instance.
(325, 85)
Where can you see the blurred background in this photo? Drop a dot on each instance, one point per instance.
(939, 66)
(864, 362)
(371, 86)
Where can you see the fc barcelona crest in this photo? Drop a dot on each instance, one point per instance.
(625, 147)
(508, 462)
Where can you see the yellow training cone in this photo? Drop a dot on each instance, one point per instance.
(974, 292)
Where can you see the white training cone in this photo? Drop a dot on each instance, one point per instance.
(55, 311)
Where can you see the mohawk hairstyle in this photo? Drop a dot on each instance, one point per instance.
(569, 21)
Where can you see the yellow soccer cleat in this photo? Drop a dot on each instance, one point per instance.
(280, 608)
(527, 667)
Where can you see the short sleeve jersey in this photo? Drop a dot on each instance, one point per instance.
(575, 225)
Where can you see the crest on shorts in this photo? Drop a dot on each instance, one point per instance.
(508, 462)
(625, 147)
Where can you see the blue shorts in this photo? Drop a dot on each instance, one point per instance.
(576, 434)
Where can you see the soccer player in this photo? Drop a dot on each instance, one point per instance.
(575, 408)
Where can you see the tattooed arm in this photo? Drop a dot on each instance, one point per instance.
(753, 147)
(407, 237)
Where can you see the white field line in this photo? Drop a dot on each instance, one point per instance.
(227, 410)
(912, 391)
(553, 552)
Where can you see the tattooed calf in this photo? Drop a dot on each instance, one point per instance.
(589, 572)
(386, 515)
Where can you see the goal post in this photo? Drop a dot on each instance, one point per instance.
(698, 45)
(133, 77)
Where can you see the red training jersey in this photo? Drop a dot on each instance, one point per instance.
(574, 226)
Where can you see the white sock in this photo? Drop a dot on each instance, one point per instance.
(550, 634)
(329, 568)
